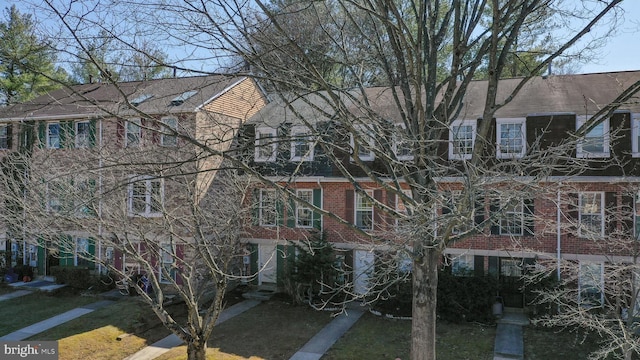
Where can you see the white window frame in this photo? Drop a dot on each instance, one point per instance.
(50, 143)
(82, 141)
(399, 139)
(302, 208)
(301, 135)
(365, 133)
(580, 152)
(510, 214)
(4, 137)
(581, 230)
(589, 282)
(455, 126)
(264, 209)
(462, 265)
(55, 202)
(273, 145)
(167, 262)
(635, 135)
(167, 139)
(359, 207)
(129, 127)
(148, 182)
(85, 192)
(400, 206)
(500, 154)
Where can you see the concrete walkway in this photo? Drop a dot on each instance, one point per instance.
(54, 321)
(14, 294)
(41, 285)
(162, 346)
(323, 340)
(509, 343)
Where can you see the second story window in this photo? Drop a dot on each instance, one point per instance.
(133, 133)
(304, 214)
(595, 144)
(267, 207)
(5, 137)
(512, 219)
(402, 144)
(301, 144)
(591, 214)
(510, 138)
(635, 135)
(265, 144)
(83, 129)
(53, 136)
(145, 196)
(170, 126)
(364, 210)
(462, 137)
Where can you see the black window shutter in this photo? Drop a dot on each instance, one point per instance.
(349, 206)
(529, 219)
(572, 210)
(478, 265)
(479, 209)
(611, 212)
(9, 135)
(494, 210)
(377, 212)
(627, 214)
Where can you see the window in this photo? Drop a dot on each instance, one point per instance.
(170, 126)
(510, 138)
(364, 210)
(512, 217)
(145, 197)
(82, 253)
(134, 133)
(268, 213)
(84, 193)
(83, 129)
(595, 143)
(363, 142)
(462, 265)
(402, 144)
(54, 196)
(5, 137)
(304, 214)
(301, 144)
(266, 144)
(401, 208)
(53, 136)
(591, 214)
(591, 283)
(462, 137)
(167, 264)
(635, 135)
(511, 267)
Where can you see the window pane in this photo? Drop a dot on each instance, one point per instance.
(594, 140)
(4, 139)
(171, 124)
(267, 207)
(82, 134)
(304, 215)
(139, 197)
(301, 145)
(463, 140)
(364, 212)
(511, 138)
(53, 137)
(133, 133)
(156, 196)
(591, 213)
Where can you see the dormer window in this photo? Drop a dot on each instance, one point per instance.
(301, 144)
(462, 137)
(595, 144)
(180, 99)
(635, 135)
(140, 99)
(510, 138)
(265, 144)
(402, 143)
(53, 136)
(134, 133)
(362, 143)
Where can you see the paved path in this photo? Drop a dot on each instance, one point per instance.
(323, 340)
(54, 321)
(162, 346)
(14, 294)
(509, 342)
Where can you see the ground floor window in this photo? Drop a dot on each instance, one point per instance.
(167, 271)
(462, 265)
(82, 253)
(591, 283)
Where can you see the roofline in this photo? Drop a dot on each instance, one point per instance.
(224, 91)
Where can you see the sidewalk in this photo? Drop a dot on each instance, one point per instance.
(509, 343)
(162, 346)
(54, 321)
(323, 340)
(14, 294)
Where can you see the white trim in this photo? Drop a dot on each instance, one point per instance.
(523, 131)
(580, 153)
(148, 181)
(635, 133)
(273, 144)
(304, 133)
(455, 126)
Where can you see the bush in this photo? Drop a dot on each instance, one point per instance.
(466, 298)
(75, 277)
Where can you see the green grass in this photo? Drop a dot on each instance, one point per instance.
(374, 337)
(556, 344)
(30, 309)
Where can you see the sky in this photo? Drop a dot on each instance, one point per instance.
(622, 51)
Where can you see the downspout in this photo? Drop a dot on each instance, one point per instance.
(558, 217)
(100, 199)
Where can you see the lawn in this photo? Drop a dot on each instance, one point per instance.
(556, 344)
(29, 309)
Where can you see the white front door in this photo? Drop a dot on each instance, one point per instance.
(362, 270)
(267, 263)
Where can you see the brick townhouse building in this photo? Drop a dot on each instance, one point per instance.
(581, 207)
(101, 158)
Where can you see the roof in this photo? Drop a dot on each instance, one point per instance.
(575, 94)
(158, 96)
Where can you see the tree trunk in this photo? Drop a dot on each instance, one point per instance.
(196, 350)
(425, 289)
